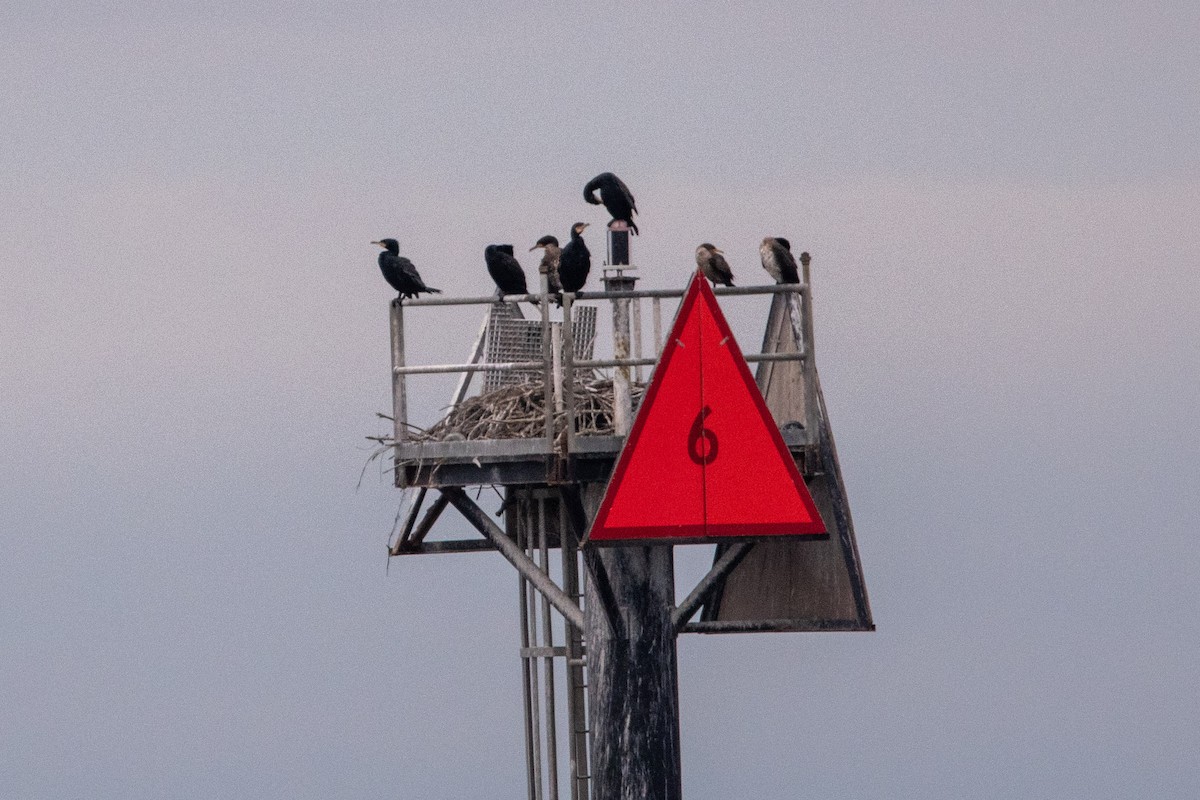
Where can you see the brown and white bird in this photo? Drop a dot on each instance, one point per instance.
(777, 260)
(549, 266)
(713, 264)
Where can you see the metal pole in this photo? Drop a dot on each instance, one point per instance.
(527, 665)
(617, 281)
(633, 679)
(399, 406)
(636, 323)
(524, 515)
(568, 354)
(811, 414)
(548, 661)
(547, 359)
(656, 302)
(576, 699)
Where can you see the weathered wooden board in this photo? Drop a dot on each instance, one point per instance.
(796, 584)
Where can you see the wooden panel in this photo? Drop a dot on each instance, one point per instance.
(797, 584)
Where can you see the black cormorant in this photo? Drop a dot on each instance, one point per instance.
(399, 271)
(549, 265)
(504, 268)
(575, 262)
(615, 195)
(713, 265)
(777, 260)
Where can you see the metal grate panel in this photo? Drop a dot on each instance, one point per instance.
(511, 338)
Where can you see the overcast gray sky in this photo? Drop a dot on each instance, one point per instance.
(1002, 203)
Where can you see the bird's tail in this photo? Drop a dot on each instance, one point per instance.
(431, 289)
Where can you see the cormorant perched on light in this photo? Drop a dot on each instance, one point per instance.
(399, 271)
(713, 265)
(777, 260)
(505, 270)
(615, 195)
(549, 265)
(575, 262)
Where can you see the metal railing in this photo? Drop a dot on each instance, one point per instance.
(559, 366)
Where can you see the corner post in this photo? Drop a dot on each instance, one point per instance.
(399, 398)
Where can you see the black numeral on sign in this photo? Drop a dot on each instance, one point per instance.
(702, 443)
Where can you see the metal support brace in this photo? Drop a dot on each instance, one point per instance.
(414, 535)
(720, 570)
(525, 565)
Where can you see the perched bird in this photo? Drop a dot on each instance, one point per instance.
(777, 260)
(549, 265)
(505, 269)
(575, 262)
(399, 271)
(615, 195)
(713, 265)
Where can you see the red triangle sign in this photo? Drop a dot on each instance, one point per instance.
(705, 459)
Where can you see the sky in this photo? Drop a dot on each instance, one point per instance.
(1001, 202)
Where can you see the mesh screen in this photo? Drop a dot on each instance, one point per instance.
(511, 337)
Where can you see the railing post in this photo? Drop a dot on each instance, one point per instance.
(548, 361)
(811, 412)
(568, 367)
(616, 280)
(399, 400)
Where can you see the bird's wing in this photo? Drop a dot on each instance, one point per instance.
(407, 267)
(723, 267)
(625, 191)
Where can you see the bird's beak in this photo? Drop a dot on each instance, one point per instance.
(378, 243)
(535, 247)
(718, 250)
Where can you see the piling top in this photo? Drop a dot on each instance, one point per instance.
(616, 279)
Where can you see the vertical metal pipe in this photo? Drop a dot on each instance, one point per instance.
(568, 354)
(618, 281)
(526, 523)
(577, 742)
(811, 412)
(656, 304)
(636, 324)
(556, 346)
(399, 401)
(548, 661)
(526, 678)
(548, 361)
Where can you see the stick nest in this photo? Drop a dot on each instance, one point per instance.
(519, 412)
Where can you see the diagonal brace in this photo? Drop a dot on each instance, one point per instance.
(715, 577)
(508, 548)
